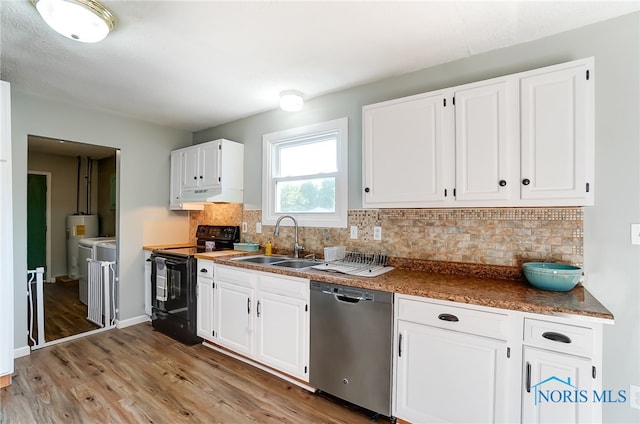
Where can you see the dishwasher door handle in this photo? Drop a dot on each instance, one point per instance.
(343, 297)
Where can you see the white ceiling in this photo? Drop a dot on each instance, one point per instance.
(196, 64)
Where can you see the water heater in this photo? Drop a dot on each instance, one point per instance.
(78, 227)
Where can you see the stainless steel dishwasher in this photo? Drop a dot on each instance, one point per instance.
(351, 344)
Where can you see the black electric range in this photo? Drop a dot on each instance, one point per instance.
(173, 282)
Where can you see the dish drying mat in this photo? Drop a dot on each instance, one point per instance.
(360, 264)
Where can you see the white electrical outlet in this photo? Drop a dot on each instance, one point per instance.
(377, 233)
(258, 227)
(244, 227)
(353, 233)
(635, 233)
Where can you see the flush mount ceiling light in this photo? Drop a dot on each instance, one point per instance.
(81, 20)
(291, 101)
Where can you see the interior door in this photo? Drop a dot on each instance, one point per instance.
(36, 221)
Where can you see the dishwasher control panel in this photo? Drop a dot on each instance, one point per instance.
(344, 291)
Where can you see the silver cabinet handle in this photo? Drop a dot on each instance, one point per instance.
(249, 305)
(528, 378)
(258, 309)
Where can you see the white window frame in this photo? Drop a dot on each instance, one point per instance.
(337, 219)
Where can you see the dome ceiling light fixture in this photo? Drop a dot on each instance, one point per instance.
(81, 20)
(291, 101)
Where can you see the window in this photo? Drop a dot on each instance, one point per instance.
(305, 175)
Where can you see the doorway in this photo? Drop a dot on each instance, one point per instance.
(78, 180)
(38, 217)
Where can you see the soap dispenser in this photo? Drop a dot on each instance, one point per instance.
(267, 248)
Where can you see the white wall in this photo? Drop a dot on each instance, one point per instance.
(144, 186)
(612, 264)
(6, 234)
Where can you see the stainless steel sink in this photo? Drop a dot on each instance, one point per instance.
(295, 263)
(265, 260)
(281, 261)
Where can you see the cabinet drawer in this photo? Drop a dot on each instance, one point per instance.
(559, 337)
(454, 318)
(205, 268)
(236, 276)
(287, 286)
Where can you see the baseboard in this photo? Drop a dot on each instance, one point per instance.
(290, 379)
(132, 321)
(21, 351)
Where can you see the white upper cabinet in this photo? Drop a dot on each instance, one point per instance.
(485, 130)
(556, 108)
(525, 139)
(201, 167)
(404, 151)
(207, 172)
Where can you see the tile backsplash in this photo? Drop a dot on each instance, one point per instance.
(492, 236)
(215, 214)
(500, 236)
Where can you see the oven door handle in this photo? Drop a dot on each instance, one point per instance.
(170, 263)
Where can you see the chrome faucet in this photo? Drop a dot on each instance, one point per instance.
(296, 247)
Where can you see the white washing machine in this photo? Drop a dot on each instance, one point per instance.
(87, 249)
(106, 250)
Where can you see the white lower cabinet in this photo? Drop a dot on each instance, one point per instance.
(204, 308)
(264, 317)
(440, 369)
(561, 378)
(204, 299)
(443, 372)
(147, 282)
(460, 363)
(548, 377)
(283, 325)
(234, 319)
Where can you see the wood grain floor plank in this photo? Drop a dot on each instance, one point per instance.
(137, 375)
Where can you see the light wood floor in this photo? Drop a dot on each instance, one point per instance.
(64, 314)
(137, 375)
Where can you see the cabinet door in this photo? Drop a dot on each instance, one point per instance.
(486, 142)
(204, 319)
(547, 375)
(404, 152)
(233, 317)
(556, 138)
(175, 187)
(209, 165)
(147, 282)
(446, 376)
(282, 333)
(190, 171)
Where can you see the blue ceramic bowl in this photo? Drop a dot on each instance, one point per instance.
(552, 276)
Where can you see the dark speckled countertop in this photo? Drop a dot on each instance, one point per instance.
(476, 285)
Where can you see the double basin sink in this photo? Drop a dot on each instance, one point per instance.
(279, 261)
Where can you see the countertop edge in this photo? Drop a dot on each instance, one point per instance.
(479, 291)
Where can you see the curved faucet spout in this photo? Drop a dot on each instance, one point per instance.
(296, 247)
